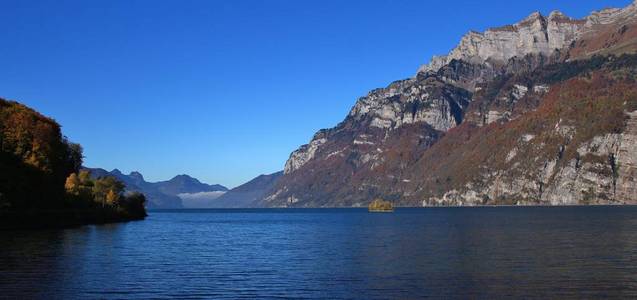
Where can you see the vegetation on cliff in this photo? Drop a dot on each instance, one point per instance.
(590, 102)
(540, 112)
(39, 176)
(547, 133)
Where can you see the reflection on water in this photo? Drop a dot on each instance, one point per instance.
(465, 252)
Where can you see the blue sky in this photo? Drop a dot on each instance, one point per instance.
(223, 90)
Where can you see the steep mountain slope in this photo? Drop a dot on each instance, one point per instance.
(248, 193)
(163, 194)
(609, 31)
(518, 114)
(575, 148)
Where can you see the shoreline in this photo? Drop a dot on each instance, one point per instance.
(398, 207)
(61, 219)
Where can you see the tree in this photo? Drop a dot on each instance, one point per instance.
(74, 155)
(134, 204)
(36, 160)
(104, 185)
(72, 184)
(40, 170)
(85, 178)
(112, 198)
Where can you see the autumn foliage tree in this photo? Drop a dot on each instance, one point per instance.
(107, 190)
(105, 193)
(36, 158)
(40, 171)
(72, 184)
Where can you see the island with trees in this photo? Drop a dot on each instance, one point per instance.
(380, 205)
(41, 184)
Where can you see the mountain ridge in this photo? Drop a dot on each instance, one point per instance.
(161, 194)
(394, 141)
(249, 193)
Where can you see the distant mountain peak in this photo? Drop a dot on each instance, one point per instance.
(164, 194)
(184, 178)
(136, 175)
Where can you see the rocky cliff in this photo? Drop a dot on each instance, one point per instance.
(538, 112)
(535, 34)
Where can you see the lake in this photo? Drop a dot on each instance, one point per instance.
(556, 252)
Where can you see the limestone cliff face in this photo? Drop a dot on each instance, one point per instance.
(427, 99)
(610, 16)
(534, 35)
(609, 31)
(557, 165)
(583, 181)
(625, 186)
(489, 123)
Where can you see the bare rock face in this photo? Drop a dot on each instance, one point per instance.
(430, 101)
(577, 147)
(520, 114)
(626, 165)
(611, 16)
(609, 31)
(533, 35)
(304, 154)
(427, 99)
(604, 172)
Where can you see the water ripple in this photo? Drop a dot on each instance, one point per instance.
(577, 252)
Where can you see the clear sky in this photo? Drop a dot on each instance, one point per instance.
(223, 90)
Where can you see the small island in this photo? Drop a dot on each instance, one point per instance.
(380, 205)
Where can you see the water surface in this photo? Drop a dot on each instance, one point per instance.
(562, 252)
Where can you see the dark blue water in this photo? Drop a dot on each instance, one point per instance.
(585, 252)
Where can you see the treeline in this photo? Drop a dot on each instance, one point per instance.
(35, 159)
(39, 171)
(107, 192)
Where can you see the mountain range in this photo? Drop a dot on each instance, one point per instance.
(181, 191)
(540, 112)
